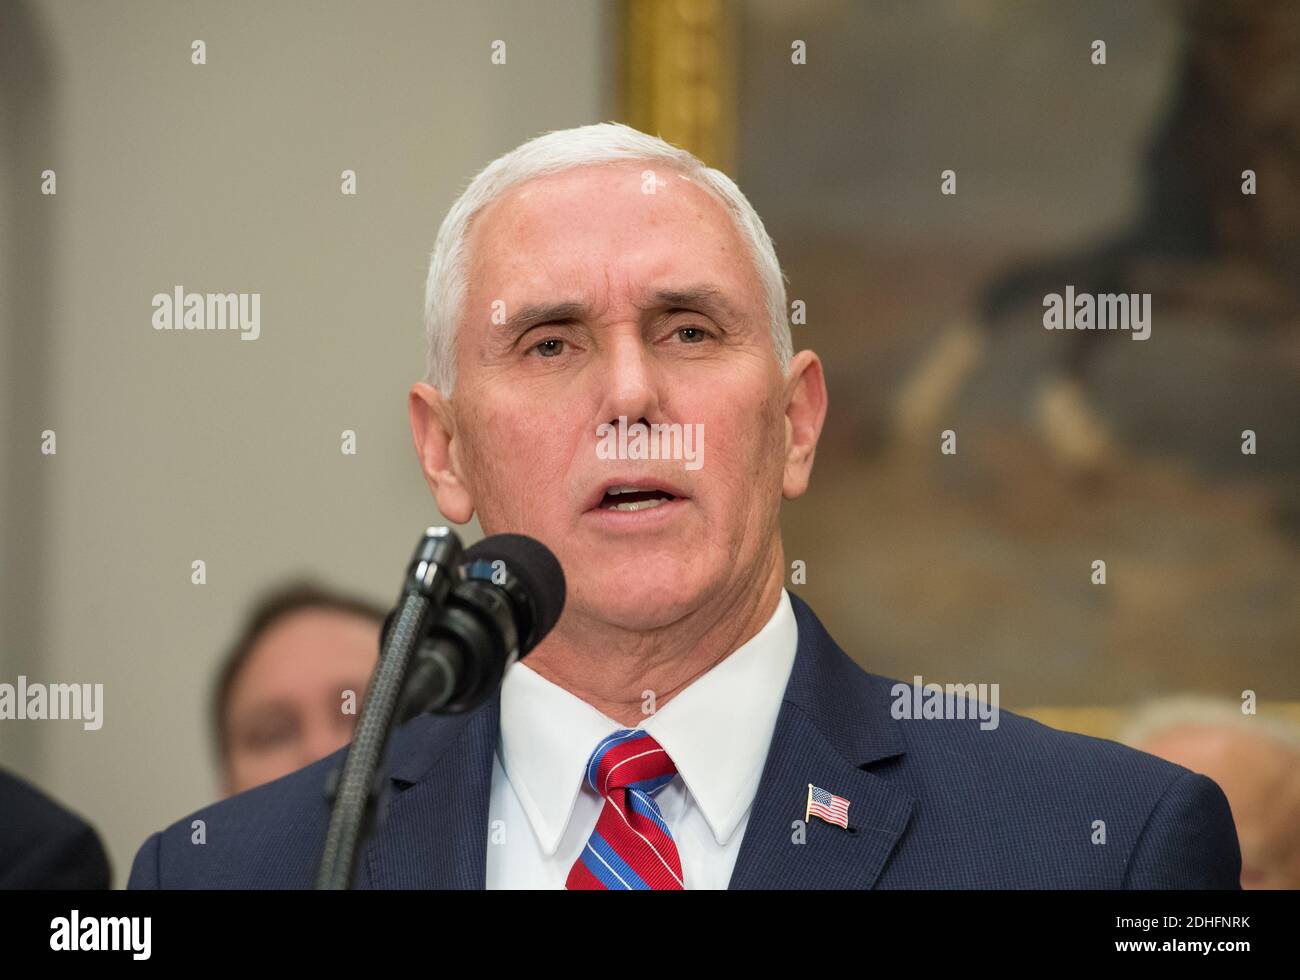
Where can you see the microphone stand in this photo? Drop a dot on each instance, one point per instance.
(430, 578)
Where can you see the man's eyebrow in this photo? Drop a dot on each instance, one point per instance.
(530, 316)
(702, 296)
(705, 296)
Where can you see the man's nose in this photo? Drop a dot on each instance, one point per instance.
(630, 380)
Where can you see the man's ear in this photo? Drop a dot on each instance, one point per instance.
(805, 412)
(434, 431)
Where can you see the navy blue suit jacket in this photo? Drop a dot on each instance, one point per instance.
(933, 804)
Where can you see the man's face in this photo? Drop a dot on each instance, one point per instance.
(647, 307)
(286, 707)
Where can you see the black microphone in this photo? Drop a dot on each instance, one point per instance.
(509, 592)
(460, 621)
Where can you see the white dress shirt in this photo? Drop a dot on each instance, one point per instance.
(717, 732)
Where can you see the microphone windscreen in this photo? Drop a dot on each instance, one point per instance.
(537, 570)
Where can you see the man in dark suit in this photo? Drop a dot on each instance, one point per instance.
(933, 804)
(687, 723)
(44, 845)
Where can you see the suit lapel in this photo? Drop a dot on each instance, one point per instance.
(434, 821)
(834, 721)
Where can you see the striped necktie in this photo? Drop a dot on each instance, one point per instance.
(631, 847)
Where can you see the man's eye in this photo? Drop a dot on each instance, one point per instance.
(692, 335)
(267, 736)
(549, 348)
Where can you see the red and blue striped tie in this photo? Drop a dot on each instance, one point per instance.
(631, 847)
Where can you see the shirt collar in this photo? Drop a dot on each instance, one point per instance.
(717, 731)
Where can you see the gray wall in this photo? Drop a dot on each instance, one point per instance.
(176, 446)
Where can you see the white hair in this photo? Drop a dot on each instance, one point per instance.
(601, 143)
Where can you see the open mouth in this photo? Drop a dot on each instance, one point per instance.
(629, 499)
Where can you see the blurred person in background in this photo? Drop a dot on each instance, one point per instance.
(291, 688)
(1255, 761)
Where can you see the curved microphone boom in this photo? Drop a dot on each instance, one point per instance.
(461, 621)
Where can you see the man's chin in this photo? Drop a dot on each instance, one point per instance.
(639, 603)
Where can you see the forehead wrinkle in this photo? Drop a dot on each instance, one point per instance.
(706, 295)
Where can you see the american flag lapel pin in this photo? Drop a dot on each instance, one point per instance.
(827, 806)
